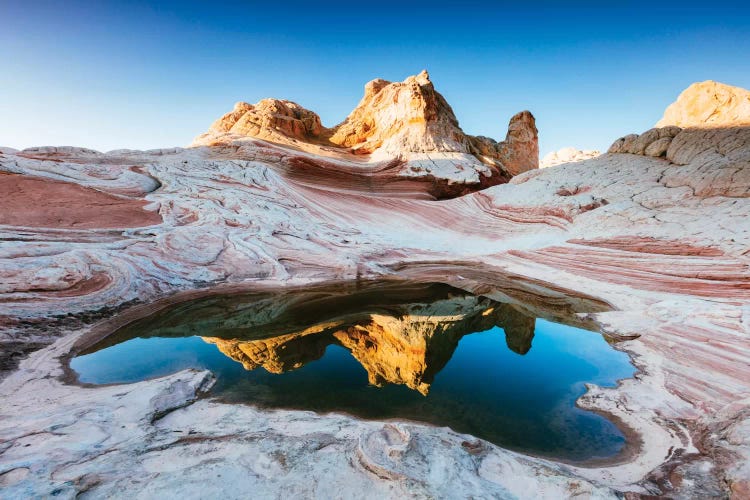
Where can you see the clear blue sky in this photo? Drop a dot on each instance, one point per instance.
(108, 75)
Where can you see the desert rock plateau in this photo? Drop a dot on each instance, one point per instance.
(656, 232)
(566, 155)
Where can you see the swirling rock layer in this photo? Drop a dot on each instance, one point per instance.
(54, 204)
(661, 237)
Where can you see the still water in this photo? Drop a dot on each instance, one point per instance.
(428, 353)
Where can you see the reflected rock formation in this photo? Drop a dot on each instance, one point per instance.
(400, 332)
(407, 345)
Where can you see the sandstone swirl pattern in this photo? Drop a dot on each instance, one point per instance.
(657, 228)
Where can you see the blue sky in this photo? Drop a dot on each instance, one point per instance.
(111, 75)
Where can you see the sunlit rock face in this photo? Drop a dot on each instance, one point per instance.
(272, 119)
(402, 117)
(708, 123)
(408, 120)
(714, 140)
(708, 104)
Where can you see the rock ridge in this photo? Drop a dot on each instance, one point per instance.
(567, 155)
(406, 120)
(708, 104)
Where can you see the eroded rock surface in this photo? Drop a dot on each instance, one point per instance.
(660, 235)
(708, 104)
(271, 119)
(55, 204)
(567, 155)
(654, 142)
(406, 121)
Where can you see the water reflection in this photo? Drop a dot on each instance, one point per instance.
(401, 334)
(409, 347)
(325, 349)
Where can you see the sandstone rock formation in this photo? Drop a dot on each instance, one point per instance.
(659, 235)
(708, 104)
(518, 153)
(272, 119)
(56, 204)
(654, 142)
(401, 117)
(406, 120)
(566, 155)
(721, 157)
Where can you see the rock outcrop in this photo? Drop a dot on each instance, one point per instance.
(518, 153)
(722, 112)
(720, 157)
(274, 120)
(406, 120)
(401, 117)
(654, 142)
(567, 155)
(708, 104)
